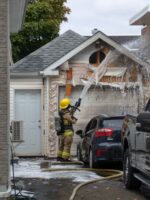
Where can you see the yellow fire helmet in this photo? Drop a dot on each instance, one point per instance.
(64, 103)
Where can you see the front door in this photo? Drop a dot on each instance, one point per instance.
(28, 109)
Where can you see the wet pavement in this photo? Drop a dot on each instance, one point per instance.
(111, 190)
(60, 185)
(61, 189)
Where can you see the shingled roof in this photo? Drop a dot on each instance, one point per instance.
(49, 53)
(55, 50)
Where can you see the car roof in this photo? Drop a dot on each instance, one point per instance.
(105, 116)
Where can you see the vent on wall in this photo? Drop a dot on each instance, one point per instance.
(17, 130)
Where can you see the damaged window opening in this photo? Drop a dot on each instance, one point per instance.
(96, 58)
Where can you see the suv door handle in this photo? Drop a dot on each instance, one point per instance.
(138, 125)
(138, 133)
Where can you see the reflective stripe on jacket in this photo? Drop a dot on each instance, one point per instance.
(68, 133)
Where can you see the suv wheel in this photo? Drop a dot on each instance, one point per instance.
(129, 180)
(92, 164)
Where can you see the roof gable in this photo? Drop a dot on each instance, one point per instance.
(89, 41)
(48, 58)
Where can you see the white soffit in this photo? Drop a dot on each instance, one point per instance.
(17, 13)
(141, 18)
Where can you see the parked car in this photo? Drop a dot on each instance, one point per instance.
(136, 149)
(101, 140)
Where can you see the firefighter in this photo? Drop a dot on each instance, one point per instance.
(66, 139)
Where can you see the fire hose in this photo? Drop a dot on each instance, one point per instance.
(108, 174)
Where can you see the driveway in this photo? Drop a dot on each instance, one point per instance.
(59, 185)
(61, 189)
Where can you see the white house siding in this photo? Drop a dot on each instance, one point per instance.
(22, 84)
(11, 103)
(83, 56)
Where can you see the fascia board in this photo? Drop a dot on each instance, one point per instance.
(21, 74)
(17, 14)
(88, 42)
(50, 73)
(134, 20)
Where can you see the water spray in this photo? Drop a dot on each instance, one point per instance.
(98, 72)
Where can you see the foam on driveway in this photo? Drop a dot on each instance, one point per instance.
(31, 169)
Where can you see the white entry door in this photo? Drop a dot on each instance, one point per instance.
(28, 109)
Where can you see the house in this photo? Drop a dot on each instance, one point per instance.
(42, 78)
(11, 18)
(60, 68)
(143, 19)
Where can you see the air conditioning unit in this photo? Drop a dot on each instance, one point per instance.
(17, 130)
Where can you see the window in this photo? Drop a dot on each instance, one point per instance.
(88, 127)
(148, 106)
(112, 123)
(96, 58)
(94, 124)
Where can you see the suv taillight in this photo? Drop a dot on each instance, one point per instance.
(104, 132)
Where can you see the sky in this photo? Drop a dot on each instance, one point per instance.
(109, 16)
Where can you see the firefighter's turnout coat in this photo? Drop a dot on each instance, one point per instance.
(66, 139)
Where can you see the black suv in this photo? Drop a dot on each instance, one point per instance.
(101, 140)
(136, 149)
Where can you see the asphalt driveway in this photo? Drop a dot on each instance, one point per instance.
(60, 185)
(61, 189)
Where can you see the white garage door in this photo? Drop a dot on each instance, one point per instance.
(100, 101)
(28, 109)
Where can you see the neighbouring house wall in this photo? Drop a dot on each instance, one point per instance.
(4, 99)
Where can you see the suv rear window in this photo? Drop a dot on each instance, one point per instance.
(112, 123)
